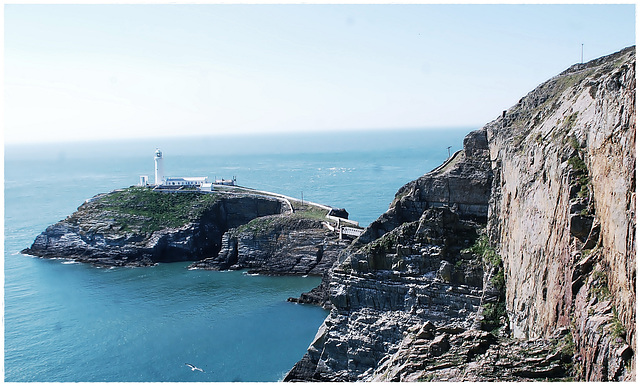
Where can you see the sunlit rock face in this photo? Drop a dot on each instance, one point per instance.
(563, 210)
(514, 260)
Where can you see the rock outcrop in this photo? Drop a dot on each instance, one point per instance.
(280, 245)
(140, 227)
(462, 183)
(514, 260)
(421, 269)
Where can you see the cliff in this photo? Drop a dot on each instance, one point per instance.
(142, 227)
(278, 244)
(514, 260)
(421, 276)
(563, 212)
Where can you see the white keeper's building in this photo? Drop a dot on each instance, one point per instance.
(161, 179)
(185, 181)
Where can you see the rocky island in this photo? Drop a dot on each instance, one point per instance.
(142, 226)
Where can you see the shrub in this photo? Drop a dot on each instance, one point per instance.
(483, 248)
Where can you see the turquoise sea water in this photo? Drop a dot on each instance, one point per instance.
(67, 322)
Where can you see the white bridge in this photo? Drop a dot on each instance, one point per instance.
(350, 231)
(337, 225)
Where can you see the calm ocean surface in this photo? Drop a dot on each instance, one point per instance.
(67, 322)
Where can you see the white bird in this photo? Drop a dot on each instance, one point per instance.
(194, 368)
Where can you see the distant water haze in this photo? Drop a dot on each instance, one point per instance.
(228, 145)
(67, 322)
(338, 168)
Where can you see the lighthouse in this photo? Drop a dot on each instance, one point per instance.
(159, 167)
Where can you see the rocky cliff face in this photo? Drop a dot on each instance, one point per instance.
(281, 245)
(420, 268)
(513, 260)
(563, 212)
(140, 227)
(462, 183)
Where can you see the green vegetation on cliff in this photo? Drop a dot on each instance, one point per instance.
(305, 210)
(494, 312)
(147, 210)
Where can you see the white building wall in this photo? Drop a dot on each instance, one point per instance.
(186, 181)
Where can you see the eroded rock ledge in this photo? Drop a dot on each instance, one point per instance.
(419, 267)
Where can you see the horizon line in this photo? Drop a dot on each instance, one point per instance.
(234, 134)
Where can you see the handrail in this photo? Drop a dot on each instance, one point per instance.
(445, 163)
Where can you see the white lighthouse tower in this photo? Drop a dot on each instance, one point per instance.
(159, 167)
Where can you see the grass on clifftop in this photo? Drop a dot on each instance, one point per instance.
(309, 211)
(149, 211)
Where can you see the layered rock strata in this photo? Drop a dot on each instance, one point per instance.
(428, 353)
(462, 183)
(548, 293)
(277, 245)
(421, 270)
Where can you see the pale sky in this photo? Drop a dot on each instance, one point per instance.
(91, 72)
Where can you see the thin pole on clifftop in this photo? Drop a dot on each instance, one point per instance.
(449, 151)
(302, 194)
(582, 54)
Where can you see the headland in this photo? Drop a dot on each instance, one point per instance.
(514, 261)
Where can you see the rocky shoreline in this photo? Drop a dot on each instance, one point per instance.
(514, 260)
(420, 268)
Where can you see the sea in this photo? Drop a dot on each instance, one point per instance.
(72, 322)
